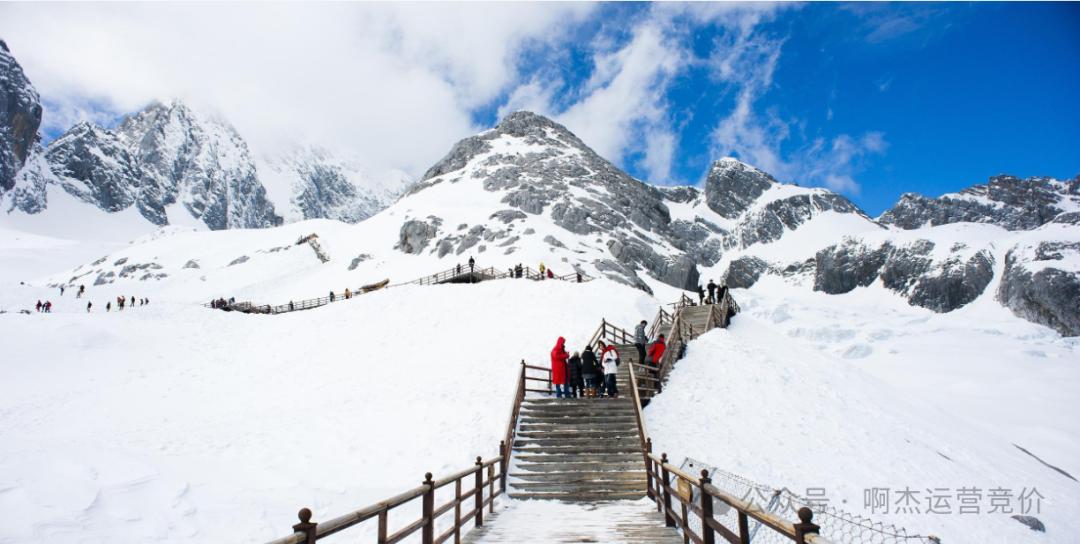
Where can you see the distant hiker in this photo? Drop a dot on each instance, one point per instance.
(133, 301)
(700, 294)
(147, 301)
(640, 339)
(558, 367)
(590, 371)
(542, 270)
(579, 277)
(712, 292)
(348, 293)
(517, 270)
(331, 296)
(574, 381)
(458, 269)
(550, 274)
(290, 306)
(472, 264)
(48, 307)
(108, 306)
(78, 294)
(61, 290)
(722, 292)
(38, 306)
(609, 357)
(657, 350)
(88, 306)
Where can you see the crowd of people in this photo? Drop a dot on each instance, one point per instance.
(589, 374)
(716, 293)
(222, 303)
(121, 302)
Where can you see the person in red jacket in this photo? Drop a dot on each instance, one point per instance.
(657, 350)
(558, 368)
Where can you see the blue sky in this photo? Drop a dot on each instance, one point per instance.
(951, 94)
(869, 99)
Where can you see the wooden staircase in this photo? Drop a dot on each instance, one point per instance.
(579, 449)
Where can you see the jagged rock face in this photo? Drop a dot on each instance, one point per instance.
(95, 167)
(166, 154)
(321, 185)
(1041, 283)
(20, 117)
(779, 216)
(732, 187)
(1006, 201)
(909, 270)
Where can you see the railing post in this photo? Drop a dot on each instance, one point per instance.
(491, 488)
(805, 527)
(427, 534)
(744, 528)
(708, 535)
(479, 491)
(668, 520)
(383, 527)
(457, 511)
(306, 526)
(504, 454)
(649, 470)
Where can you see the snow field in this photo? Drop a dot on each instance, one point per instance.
(172, 422)
(753, 402)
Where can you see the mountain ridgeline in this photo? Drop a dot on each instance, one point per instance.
(1013, 240)
(173, 158)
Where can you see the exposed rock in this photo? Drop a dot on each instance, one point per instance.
(551, 240)
(731, 187)
(416, 234)
(615, 271)
(356, 262)
(506, 216)
(1032, 522)
(240, 260)
(120, 261)
(842, 268)
(20, 117)
(1037, 288)
(1006, 201)
(744, 272)
(471, 238)
(191, 264)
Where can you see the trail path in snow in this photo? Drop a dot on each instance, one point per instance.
(553, 522)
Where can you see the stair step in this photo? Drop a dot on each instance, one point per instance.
(584, 467)
(585, 426)
(581, 458)
(579, 476)
(577, 450)
(628, 433)
(584, 487)
(599, 417)
(634, 442)
(580, 497)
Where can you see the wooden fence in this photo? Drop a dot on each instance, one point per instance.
(481, 476)
(668, 486)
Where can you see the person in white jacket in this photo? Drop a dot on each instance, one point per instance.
(609, 358)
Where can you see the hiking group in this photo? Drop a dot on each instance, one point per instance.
(588, 375)
(716, 293)
(121, 302)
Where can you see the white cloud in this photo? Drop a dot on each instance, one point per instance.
(746, 60)
(394, 82)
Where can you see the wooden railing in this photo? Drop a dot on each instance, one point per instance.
(611, 333)
(662, 488)
(296, 306)
(661, 476)
(663, 317)
(490, 273)
(481, 476)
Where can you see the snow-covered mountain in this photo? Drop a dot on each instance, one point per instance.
(176, 164)
(307, 181)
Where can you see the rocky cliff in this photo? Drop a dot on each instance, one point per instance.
(20, 117)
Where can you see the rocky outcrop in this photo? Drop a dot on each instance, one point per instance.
(909, 270)
(1007, 201)
(20, 117)
(731, 187)
(415, 235)
(1041, 283)
(769, 223)
(167, 154)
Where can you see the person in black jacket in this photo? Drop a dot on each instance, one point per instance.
(721, 292)
(591, 371)
(700, 294)
(712, 292)
(574, 382)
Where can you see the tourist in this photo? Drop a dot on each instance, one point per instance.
(472, 264)
(331, 296)
(590, 371)
(657, 350)
(108, 306)
(640, 339)
(38, 306)
(722, 292)
(61, 290)
(574, 381)
(88, 306)
(700, 294)
(712, 292)
(348, 293)
(609, 357)
(579, 277)
(558, 367)
(550, 274)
